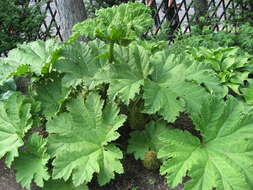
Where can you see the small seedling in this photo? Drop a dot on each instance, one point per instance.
(151, 181)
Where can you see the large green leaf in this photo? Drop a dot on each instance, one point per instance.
(80, 63)
(51, 94)
(5, 70)
(222, 159)
(79, 139)
(31, 163)
(120, 24)
(129, 71)
(176, 84)
(7, 89)
(35, 57)
(15, 121)
(61, 185)
(146, 140)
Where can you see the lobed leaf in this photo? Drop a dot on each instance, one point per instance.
(222, 159)
(5, 70)
(80, 63)
(79, 140)
(177, 85)
(146, 140)
(7, 89)
(129, 72)
(31, 163)
(119, 24)
(34, 57)
(51, 94)
(15, 121)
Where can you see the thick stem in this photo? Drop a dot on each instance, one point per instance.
(111, 46)
(137, 119)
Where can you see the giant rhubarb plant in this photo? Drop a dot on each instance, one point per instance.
(62, 132)
(119, 24)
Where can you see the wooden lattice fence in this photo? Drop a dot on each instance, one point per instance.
(181, 15)
(178, 17)
(51, 24)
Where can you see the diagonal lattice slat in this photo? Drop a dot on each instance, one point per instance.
(179, 17)
(50, 26)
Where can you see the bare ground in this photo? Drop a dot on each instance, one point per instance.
(136, 177)
(7, 178)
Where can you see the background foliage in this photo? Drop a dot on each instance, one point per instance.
(19, 22)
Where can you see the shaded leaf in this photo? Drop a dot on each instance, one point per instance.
(61, 185)
(51, 94)
(31, 163)
(146, 140)
(15, 121)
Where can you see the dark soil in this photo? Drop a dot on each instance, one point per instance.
(7, 179)
(185, 123)
(136, 176)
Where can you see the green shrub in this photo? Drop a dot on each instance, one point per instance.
(19, 22)
(242, 37)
